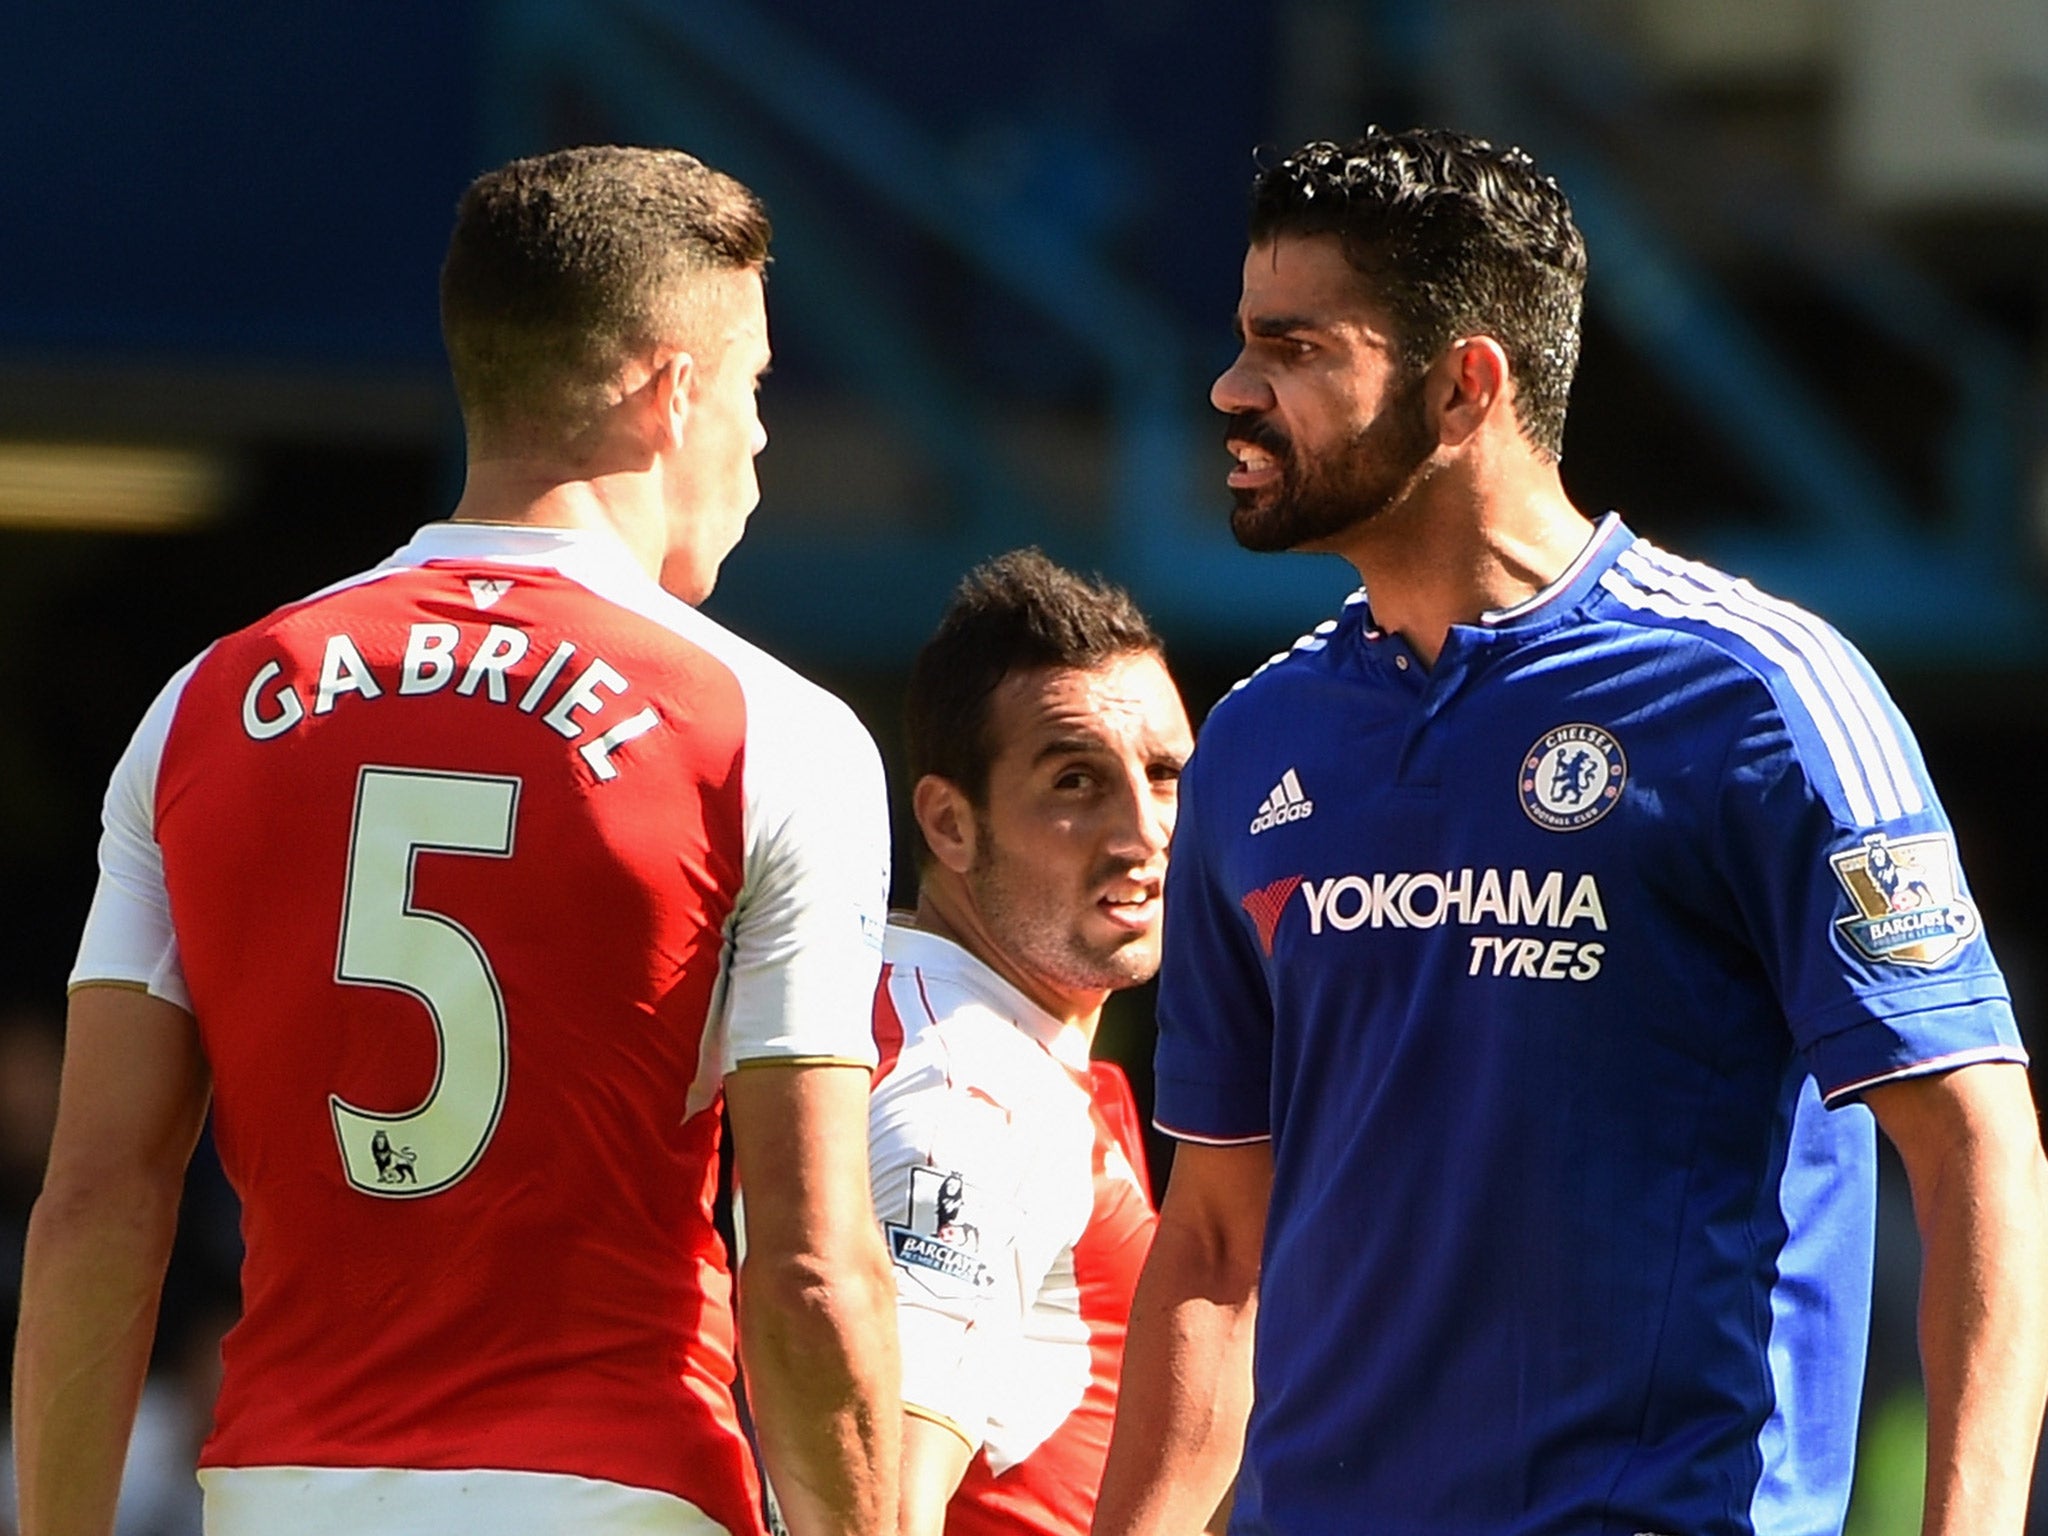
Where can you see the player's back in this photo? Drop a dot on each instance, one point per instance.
(450, 854)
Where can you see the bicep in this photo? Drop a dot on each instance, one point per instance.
(799, 1134)
(804, 946)
(972, 1208)
(1215, 1206)
(134, 1089)
(1971, 1120)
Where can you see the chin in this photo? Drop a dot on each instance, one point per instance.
(1129, 965)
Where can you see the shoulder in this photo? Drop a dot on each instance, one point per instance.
(1275, 681)
(1282, 700)
(1801, 682)
(961, 1028)
(962, 1033)
(780, 700)
(1727, 618)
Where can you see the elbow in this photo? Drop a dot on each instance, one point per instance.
(819, 1295)
(122, 1221)
(97, 1197)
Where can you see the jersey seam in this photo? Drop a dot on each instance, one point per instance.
(746, 1062)
(945, 1421)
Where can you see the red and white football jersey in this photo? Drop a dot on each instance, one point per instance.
(479, 872)
(1009, 1176)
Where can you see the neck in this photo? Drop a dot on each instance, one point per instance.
(945, 909)
(540, 493)
(1450, 553)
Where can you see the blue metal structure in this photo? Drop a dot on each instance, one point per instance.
(1951, 581)
(664, 72)
(197, 189)
(1844, 535)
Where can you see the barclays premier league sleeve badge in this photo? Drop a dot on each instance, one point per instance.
(1907, 909)
(936, 1237)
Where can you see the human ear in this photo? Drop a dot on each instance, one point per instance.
(946, 818)
(1473, 381)
(672, 379)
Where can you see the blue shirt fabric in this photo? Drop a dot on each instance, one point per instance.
(1553, 973)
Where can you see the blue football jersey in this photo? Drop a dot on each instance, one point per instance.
(1553, 973)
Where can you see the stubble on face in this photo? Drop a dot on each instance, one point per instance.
(1321, 496)
(1039, 927)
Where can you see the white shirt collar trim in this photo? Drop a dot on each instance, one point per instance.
(908, 946)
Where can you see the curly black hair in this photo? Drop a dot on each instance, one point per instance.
(1456, 238)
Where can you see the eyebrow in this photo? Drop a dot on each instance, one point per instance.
(1274, 325)
(1067, 746)
(1083, 746)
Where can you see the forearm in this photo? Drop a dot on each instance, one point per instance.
(92, 1276)
(1185, 1392)
(1983, 1341)
(819, 1341)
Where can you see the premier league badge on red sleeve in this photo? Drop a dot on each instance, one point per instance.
(1907, 909)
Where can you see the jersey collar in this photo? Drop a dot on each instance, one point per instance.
(908, 946)
(595, 555)
(1556, 602)
(1572, 586)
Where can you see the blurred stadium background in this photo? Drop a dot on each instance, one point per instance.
(1007, 250)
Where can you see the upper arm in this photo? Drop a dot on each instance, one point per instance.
(128, 935)
(134, 1089)
(799, 1134)
(1974, 1121)
(977, 1197)
(1214, 1060)
(1838, 854)
(1215, 1210)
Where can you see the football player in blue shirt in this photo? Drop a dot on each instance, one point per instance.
(1545, 934)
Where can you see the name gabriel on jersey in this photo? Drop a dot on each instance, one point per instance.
(1463, 897)
(434, 654)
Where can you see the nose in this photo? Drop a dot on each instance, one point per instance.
(1240, 388)
(1143, 825)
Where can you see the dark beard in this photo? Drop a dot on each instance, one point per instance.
(1316, 500)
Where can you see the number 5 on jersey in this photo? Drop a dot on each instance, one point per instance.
(386, 941)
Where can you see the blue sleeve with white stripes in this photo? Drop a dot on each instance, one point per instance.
(1846, 869)
(1213, 1068)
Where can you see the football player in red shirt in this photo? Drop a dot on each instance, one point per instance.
(1046, 739)
(466, 890)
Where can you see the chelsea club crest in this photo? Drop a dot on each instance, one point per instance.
(1571, 777)
(1907, 908)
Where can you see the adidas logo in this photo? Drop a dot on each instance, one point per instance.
(1286, 803)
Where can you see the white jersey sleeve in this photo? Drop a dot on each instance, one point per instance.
(805, 937)
(128, 938)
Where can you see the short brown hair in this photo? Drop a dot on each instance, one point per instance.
(564, 265)
(1015, 613)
